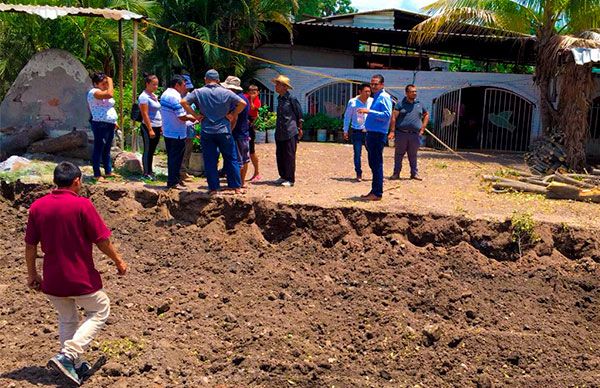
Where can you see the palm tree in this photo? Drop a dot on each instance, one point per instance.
(548, 20)
(236, 24)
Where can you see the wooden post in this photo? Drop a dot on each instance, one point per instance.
(134, 64)
(121, 118)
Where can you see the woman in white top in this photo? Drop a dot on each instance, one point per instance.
(103, 122)
(151, 122)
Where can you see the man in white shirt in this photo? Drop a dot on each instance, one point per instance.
(359, 133)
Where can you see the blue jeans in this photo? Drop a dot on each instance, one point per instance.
(406, 143)
(375, 145)
(175, 150)
(103, 138)
(212, 144)
(358, 140)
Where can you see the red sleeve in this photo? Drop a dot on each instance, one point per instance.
(95, 229)
(257, 103)
(32, 235)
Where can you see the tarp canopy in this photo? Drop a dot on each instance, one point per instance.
(53, 12)
(583, 55)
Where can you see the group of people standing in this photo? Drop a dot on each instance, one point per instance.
(371, 119)
(226, 115)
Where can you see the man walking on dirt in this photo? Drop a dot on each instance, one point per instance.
(67, 226)
(377, 124)
(408, 124)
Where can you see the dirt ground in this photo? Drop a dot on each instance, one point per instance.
(305, 287)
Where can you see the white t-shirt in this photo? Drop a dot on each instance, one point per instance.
(102, 109)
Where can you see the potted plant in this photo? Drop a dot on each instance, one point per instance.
(336, 125)
(196, 159)
(260, 124)
(318, 123)
(270, 125)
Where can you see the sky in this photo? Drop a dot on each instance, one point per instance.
(407, 5)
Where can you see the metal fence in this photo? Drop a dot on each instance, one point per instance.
(506, 121)
(266, 95)
(446, 113)
(329, 99)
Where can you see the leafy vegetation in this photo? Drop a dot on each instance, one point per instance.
(266, 119)
(523, 229)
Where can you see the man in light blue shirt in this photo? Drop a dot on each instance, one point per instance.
(174, 128)
(377, 125)
(215, 105)
(359, 133)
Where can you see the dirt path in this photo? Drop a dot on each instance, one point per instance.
(243, 292)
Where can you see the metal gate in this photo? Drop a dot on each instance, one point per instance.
(506, 124)
(446, 112)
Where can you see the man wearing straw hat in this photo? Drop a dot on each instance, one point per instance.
(287, 131)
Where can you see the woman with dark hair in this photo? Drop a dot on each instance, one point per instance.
(103, 121)
(151, 122)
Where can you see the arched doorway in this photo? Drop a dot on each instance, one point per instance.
(485, 118)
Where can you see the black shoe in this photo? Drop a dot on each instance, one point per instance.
(83, 369)
(394, 177)
(416, 177)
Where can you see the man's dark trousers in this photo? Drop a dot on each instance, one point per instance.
(358, 140)
(175, 150)
(212, 145)
(285, 152)
(375, 145)
(406, 142)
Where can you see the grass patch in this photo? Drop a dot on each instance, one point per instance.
(507, 173)
(121, 347)
(440, 165)
(523, 230)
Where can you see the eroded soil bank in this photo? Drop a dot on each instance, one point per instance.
(253, 293)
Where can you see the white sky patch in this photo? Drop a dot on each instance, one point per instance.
(407, 5)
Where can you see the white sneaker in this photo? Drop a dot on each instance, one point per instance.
(287, 184)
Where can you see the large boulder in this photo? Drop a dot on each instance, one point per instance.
(128, 162)
(51, 91)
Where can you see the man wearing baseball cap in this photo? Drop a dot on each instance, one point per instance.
(215, 103)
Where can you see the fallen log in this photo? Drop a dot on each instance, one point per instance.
(565, 179)
(84, 152)
(19, 140)
(595, 171)
(55, 145)
(519, 186)
(557, 190)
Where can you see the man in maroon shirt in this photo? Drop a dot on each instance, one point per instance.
(67, 226)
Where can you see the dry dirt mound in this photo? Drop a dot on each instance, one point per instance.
(240, 293)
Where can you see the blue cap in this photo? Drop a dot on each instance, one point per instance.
(212, 75)
(188, 81)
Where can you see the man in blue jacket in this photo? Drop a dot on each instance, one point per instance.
(377, 125)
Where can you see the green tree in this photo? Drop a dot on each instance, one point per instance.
(94, 41)
(320, 8)
(235, 24)
(547, 20)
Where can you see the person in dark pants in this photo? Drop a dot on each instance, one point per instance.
(174, 129)
(103, 122)
(151, 122)
(215, 105)
(377, 125)
(287, 131)
(408, 124)
(356, 122)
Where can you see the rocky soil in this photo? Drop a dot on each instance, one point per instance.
(237, 292)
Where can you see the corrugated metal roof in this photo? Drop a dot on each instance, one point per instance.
(372, 12)
(52, 12)
(506, 34)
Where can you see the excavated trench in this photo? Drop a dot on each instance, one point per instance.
(248, 293)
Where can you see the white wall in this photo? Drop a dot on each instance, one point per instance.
(431, 84)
